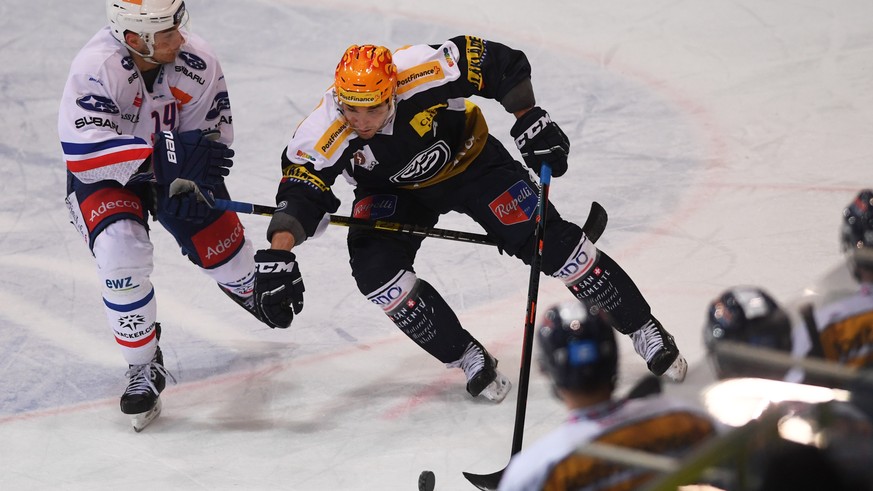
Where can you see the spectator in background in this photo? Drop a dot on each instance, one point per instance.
(841, 330)
(840, 457)
(579, 353)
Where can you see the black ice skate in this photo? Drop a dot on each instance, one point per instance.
(141, 400)
(483, 378)
(658, 348)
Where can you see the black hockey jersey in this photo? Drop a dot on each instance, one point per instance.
(433, 135)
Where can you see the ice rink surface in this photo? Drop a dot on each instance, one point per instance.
(723, 137)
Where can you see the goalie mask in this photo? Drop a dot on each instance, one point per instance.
(856, 233)
(746, 315)
(144, 18)
(577, 347)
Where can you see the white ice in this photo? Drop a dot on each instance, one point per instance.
(723, 137)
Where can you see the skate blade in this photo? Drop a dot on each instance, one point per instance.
(141, 420)
(676, 372)
(496, 391)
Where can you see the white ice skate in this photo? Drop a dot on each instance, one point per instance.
(658, 348)
(483, 378)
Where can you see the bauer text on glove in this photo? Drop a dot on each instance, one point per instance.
(192, 156)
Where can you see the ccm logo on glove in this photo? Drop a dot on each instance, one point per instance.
(533, 130)
(278, 287)
(541, 140)
(275, 267)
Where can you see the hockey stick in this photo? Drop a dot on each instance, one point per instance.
(594, 225)
(490, 481)
(417, 230)
(647, 386)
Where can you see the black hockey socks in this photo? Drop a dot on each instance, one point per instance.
(608, 287)
(429, 321)
(422, 314)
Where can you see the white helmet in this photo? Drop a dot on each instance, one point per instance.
(145, 18)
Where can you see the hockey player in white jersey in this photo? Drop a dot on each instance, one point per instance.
(579, 354)
(144, 109)
(401, 129)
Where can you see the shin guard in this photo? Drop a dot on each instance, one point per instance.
(124, 263)
(416, 308)
(594, 277)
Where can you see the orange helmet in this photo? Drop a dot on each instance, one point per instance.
(366, 76)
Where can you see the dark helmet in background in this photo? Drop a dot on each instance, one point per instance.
(577, 346)
(856, 232)
(748, 315)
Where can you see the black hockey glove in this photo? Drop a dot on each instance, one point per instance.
(183, 200)
(188, 206)
(278, 287)
(539, 139)
(192, 156)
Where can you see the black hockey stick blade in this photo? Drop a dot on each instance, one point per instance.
(596, 222)
(485, 482)
(647, 386)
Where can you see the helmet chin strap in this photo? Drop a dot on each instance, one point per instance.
(392, 109)
(150, 45)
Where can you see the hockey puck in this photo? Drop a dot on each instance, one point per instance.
(426, 481)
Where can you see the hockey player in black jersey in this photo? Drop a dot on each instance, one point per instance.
(402, 130)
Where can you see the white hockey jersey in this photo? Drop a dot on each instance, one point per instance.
(653, 424)
(107, 119)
